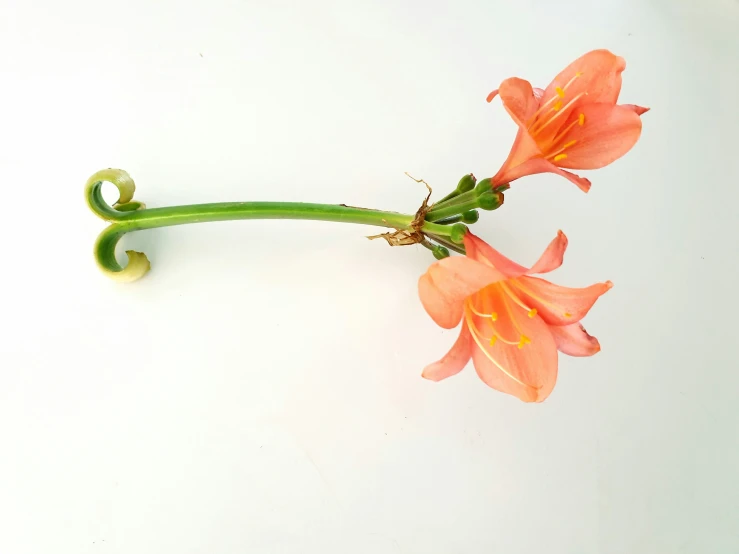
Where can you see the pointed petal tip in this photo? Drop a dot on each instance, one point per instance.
(638, 110)
(553, 256)
(608, 284)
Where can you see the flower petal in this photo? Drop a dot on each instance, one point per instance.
(599, 76)
(528, 373)
(574, 340)
(639, 110)
(538, 165)
(524, 149)
(446, 284)
(551, 259)
(555, 304)
(607, 134)
(453, 361)
(553, 256)
(481, 251)
(518, 99)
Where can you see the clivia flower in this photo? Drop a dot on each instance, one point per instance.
(574, 123)
(512, 324)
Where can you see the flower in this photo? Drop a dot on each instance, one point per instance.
(574, 123)
(512, 323)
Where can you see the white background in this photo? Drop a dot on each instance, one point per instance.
(260, 389)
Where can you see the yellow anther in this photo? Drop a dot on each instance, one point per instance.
(492, 340)
(560, 92)
(494, 316)
(567, 314)
(578, 74)
(524, 341)
(559, 157)
(533, 312)
(581, 119)
(488, 355)
(557, 106)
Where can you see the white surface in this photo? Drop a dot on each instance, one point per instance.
(259, 391)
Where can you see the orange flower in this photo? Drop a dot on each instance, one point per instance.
(574, 123)
(512, 323)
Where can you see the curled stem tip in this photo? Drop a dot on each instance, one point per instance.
(138, 264)
(126, 188)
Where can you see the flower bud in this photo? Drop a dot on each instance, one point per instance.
(440, 252)
(471, 216)
(466, 183)
(490, 200)
(459, 230)
(483, 186)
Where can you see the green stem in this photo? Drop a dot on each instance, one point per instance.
(448, 197)
(229, 211)
(454, 200)
(124, 220)
(451, 210)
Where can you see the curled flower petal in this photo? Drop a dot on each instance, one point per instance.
(550, 260)
(574, 340)
(518, 99)
(553, 256)
(446, 284)
(559, 305)
(453, 361)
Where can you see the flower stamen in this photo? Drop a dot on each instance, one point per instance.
(539, 299)
(524, 340)
(493, 315)
(555, 116)
(559, 152)
(496, 336)
(513, 296)
(560, 94)
(489, 356)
